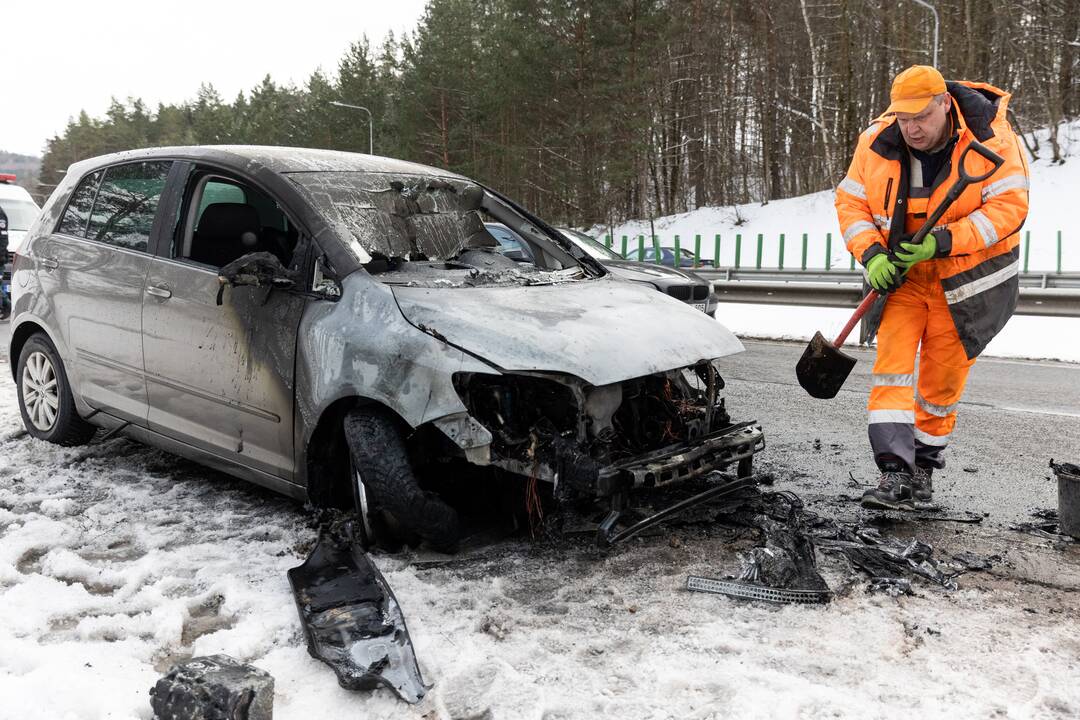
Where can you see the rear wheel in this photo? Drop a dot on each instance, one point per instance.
(393, 508)
(45, 400)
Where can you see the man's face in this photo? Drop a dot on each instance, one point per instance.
(926, 130)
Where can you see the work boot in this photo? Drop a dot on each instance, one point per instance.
(922, 487)
(892, 493)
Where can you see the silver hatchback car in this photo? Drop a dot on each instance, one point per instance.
(341, 328)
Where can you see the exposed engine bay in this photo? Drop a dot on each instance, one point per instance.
(594, 441)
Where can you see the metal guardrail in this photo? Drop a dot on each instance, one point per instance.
(1041, 294)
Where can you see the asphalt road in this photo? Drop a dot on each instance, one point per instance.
(1015, 416)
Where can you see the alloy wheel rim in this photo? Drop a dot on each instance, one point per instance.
(40, 391)
(364, 509)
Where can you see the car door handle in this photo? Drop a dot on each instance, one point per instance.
(161, 291)
(49, 263)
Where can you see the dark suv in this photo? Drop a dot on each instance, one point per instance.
(337, 327)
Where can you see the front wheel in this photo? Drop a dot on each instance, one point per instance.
(45, 400)
(386, 493)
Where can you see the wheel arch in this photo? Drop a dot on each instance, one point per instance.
(326, 453)
(19, 336)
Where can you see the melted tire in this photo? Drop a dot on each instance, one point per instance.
(68, 428)
(397, 505)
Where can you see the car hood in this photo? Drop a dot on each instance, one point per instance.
(650, 272)
(602, 331)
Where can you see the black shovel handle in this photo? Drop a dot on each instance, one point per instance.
(958, 187)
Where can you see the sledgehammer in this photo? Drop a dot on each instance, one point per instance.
(823, 368)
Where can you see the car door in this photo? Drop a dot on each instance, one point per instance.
(220, 376)
(93, 269)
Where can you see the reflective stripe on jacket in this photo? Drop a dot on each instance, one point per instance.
(978, 237)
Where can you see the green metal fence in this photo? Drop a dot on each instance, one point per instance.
(699, 251)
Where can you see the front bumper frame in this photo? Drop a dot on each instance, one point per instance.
(685, 461)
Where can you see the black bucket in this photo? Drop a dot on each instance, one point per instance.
(1068, 477)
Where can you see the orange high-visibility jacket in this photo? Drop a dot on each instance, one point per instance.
(978, 237)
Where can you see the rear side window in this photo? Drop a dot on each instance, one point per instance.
(126, 204)
(77, 214)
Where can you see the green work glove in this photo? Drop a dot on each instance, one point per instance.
(916, 253)
(882, 274)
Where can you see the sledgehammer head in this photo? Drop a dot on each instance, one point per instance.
(823, 368)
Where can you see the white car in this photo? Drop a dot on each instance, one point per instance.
(19, 212)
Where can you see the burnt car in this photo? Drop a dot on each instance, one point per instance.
(342, 328)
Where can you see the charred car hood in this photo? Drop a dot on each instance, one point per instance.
(602, 331)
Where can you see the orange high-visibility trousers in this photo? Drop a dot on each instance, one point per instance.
(911, 421)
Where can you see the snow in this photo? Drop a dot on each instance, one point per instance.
(1053, 197)
(117, 560)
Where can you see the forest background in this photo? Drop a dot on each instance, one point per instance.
(592, 112)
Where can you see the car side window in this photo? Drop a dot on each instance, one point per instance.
(77, 214)
(126, 204)
(227, 219)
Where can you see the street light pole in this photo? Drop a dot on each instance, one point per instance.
(371, 123)
(933, 10)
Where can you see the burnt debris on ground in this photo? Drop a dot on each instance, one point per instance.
(351, 619)
(215, 687)
(785, 558)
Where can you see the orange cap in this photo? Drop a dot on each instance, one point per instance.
(913, 89)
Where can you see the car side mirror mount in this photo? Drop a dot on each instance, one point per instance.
(257, 269)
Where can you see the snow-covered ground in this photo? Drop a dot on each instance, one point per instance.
(1054, 192)
(117, 560)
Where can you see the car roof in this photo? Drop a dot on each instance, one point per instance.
(275, 159)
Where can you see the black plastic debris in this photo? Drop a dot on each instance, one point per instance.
(891, 586)
(351, 618)
(784, 568)
(215, 687)
(1044, 525)
(971, 561)
(883, 557)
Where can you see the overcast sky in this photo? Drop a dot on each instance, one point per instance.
(61, 57)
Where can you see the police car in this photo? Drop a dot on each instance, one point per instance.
(17, 211)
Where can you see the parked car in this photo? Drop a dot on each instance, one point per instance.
(667, 257)
(17, 212)
(680, 284)
(341, 328)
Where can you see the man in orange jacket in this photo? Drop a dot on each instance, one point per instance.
(946, 296)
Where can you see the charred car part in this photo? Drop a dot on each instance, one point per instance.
(597, 441)
(351, 619)
(602, 442)
(215, 687)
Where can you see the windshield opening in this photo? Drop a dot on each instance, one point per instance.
(420, 230)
